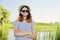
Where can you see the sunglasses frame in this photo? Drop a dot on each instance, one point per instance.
(25, 11)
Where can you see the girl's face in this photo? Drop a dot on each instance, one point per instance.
(24, 11)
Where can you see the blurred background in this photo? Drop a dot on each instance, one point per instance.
(46, 14)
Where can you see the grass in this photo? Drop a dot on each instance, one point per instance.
(39, 27)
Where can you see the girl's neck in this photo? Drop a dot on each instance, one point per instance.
(24, 18)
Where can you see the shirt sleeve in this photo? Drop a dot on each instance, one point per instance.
(15, 23)
(33, 24)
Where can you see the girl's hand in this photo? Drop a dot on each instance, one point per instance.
(28, 35)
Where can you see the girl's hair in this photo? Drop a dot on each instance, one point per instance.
(29, 17)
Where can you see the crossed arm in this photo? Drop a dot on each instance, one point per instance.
(27, 34)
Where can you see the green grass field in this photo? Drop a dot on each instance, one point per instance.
(39, 27)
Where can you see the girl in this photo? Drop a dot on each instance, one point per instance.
(24, 26)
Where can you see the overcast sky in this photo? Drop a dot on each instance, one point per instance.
(44, 11)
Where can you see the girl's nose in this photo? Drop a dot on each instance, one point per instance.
(25, 12)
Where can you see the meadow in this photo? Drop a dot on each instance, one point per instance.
(40, 27)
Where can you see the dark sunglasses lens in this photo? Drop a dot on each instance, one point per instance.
(25, 10)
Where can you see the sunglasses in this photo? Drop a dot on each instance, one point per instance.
(24, 11)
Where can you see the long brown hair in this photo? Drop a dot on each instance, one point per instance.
(29, 17)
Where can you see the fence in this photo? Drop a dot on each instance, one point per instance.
(42, 35)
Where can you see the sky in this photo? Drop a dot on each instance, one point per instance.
(43, 11)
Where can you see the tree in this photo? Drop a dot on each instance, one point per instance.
(4, 15)
(4, 19)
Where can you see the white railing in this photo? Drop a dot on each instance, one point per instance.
(42, 35)
(11, 34)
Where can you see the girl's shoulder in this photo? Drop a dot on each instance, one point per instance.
(16, 22)
(33, 23)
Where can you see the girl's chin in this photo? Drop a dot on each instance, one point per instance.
(24, 16)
